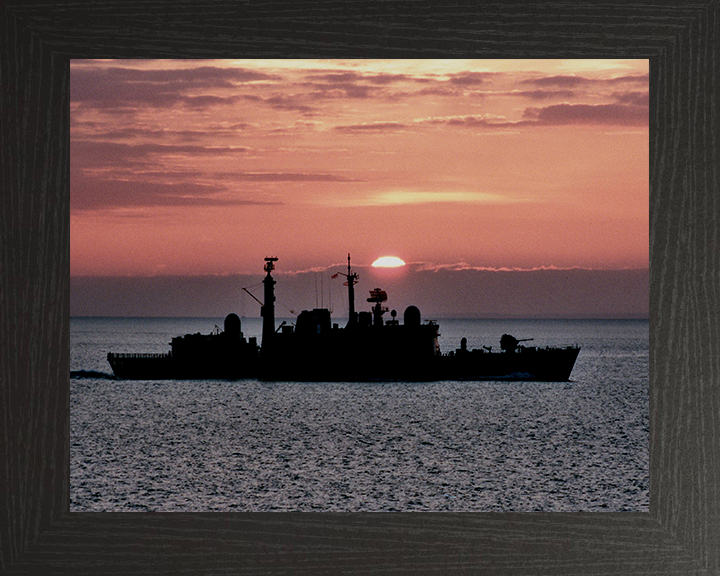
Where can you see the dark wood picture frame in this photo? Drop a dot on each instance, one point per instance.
(680, 534)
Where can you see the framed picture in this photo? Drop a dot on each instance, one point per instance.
(673, 532)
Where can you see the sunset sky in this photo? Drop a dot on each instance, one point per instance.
(203, 168)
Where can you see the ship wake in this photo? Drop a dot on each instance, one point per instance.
(94, 374)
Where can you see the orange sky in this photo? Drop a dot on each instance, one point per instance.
(206, 167)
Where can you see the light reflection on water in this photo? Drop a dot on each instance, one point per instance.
(438, 446)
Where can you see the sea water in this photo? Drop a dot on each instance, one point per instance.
(249, 445)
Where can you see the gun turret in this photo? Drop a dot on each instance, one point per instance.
(510, 343)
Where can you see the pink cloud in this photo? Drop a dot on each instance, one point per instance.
(89, 193)
(372, 127)
(561, 114)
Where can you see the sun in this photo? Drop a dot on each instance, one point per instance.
(388, 262)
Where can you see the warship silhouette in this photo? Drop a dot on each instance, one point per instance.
(367, 348)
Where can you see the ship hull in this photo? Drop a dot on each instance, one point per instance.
(548, 365)
(166, 367)
(141, 366)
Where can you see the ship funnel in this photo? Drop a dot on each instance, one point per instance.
(268, 307)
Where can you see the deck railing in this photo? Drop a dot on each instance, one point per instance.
(134, 355)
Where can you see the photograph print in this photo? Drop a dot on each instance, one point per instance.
(359, 285)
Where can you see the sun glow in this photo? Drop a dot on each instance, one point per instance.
(388, 262)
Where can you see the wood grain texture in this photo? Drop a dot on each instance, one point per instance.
(680, 535)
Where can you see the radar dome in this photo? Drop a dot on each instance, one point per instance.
(232, 325)
(411, 316)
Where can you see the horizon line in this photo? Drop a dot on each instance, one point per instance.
(467, 316)
(439, 268)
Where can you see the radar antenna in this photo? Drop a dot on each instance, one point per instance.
(377, 297)
(270, 264)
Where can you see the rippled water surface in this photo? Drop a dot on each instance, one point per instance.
(439, 446)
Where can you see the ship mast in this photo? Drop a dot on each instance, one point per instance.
(268, 308)
(352, 279)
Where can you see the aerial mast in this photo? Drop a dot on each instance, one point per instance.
(352, 279)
